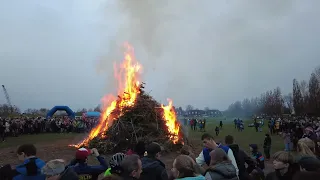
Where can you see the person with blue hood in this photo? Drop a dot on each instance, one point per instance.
(152, 167)
(81, 167)
(257, 155)
(209, 145)
(31, 166)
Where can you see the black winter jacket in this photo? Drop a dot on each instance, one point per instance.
(153, 169)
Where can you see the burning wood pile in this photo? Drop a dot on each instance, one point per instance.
(142, 122)
(133, 116)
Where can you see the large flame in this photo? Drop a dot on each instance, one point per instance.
(171, 121)
(128, 88)
(127, 75)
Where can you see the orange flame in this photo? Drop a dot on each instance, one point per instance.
(171, 121)
(129, 89)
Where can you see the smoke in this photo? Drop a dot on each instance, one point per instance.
(194, 48)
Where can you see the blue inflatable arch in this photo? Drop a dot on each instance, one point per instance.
(70, 113)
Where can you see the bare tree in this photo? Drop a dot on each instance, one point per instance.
(288, 100)
(189, 108)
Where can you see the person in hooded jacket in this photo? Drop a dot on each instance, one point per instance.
(241, 158)
(32, 165)
(152, 167)
(257, 155)
(220, 167)
(81, 167)
(284, 166)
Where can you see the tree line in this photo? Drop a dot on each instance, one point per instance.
(303, 100)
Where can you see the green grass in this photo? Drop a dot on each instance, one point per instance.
(243, 139)
(40, 138)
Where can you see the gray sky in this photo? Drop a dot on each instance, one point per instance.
(205, 52)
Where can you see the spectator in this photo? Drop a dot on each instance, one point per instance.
(257, 155)
(217, 129)
(309, 164)
(310, 134)
(81, 167)
(115, 168)
(267, 146)
(132, 167)
(220, 167)
(209, 145)
(284, 166)
(31, 167)
(306, 147)
(241, 158)
(187, 150)
(55, 170)
(152, 167)
(287, 140)
(184, 169)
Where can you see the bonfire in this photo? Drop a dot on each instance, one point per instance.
(133, 115)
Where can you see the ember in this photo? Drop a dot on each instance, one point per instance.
(134, 115)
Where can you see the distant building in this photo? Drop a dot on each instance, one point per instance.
(213, 113)
(196, 113)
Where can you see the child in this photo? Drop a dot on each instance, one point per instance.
(31, 166)
(257, 155)
(284, 166)
(217, 131)
(267, 146)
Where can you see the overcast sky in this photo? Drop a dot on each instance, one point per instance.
(204, 52)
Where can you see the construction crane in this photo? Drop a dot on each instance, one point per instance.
(7, 97)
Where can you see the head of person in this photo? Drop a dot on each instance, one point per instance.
(309, 164)
(53, 169)
(282, 160)
(218, 156)
(131, 166)
(229, 140)
(183, 166)
(26, 151)
(154, 150)
(207, 139)
(115, 162)
(308, 130)
(306, 146)
(267, 135)
(82, 155)
(253, 147)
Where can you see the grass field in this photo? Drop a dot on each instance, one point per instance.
(36, 138)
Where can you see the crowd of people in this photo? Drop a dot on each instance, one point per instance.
(217, 161)
(26, 125)
(294, 128)
(196, 124)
